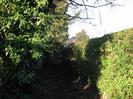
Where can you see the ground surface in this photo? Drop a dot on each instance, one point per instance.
(58, 84)
(53, 83)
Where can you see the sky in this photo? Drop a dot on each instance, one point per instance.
(113, 19)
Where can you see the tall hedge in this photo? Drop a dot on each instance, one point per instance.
(116, 68)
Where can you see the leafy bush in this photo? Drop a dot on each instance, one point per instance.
(80, 54)
(28, 30)
(81, 42)
(115, 81)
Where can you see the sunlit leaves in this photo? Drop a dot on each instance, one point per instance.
(13, 54)
(117, 66)
(36, 54)
(29, 29)
(41, 3)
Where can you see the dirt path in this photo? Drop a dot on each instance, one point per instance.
(54, 84)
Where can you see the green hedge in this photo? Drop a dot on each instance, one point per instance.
(116, 68)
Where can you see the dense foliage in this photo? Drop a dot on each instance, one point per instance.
(81, 41)
(29, 29)
(33, 29)
(115, 65)
(80, 56)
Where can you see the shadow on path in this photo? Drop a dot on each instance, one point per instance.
(55, 83)
(61, 82)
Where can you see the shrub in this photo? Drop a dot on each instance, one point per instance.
(115, 81)
(80, 53)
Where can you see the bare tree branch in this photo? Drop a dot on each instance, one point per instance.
(74, 3)
(83, 3)
(85, 8)
(78, 17)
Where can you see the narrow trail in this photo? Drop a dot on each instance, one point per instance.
(57, 84)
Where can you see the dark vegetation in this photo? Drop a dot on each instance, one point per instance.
(38, 61)
(94, 54)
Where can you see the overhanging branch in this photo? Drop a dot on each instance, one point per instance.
(74, 3)
(71, 17)
(85, 8)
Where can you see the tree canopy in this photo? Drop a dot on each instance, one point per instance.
(28, 30)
